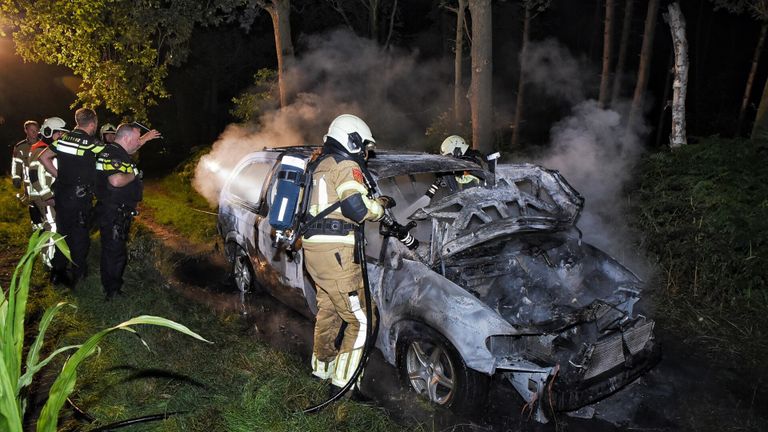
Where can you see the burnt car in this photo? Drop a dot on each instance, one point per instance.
(501, 283)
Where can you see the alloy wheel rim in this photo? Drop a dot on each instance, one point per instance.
(431, 371)
(242, 273)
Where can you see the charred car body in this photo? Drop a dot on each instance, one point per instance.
(500, 284)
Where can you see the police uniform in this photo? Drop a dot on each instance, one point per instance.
(20, 177)
(41, 195)
(329, 248)
(116, 207)
(76, 157)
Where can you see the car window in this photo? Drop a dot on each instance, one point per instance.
(247, 183)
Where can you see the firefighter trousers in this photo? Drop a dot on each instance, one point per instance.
(48, 223)
(340, 297)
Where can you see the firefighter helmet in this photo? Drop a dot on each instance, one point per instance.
(452, 143)
(51, 125)
(351, 132)
(108, 128)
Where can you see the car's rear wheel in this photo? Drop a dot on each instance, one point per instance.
(242, 271)
(431, 366)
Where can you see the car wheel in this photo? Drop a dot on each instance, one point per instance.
(242, 271)
(432, 367)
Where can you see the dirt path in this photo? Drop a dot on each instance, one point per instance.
(684, 392)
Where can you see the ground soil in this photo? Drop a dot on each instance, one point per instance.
(685, 391)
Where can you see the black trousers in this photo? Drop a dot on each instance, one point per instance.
(114, 225)
(73, 211)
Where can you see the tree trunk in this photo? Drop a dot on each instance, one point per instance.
(280, 12)
(761, 119)
(607, 36)
(458, 88)
(625, 31)
(751, 78)
(676, 21)
(521, 82)
(481, 99)
(373, 19)
(636, 110)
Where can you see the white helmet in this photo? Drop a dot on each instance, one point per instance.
(453, 142)
(51, 125)
(107, 129)
(351, 132)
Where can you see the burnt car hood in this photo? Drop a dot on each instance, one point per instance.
(545, 282)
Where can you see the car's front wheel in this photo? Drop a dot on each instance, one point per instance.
(430, 365)
(242, 271)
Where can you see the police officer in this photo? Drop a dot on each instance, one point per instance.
(75, 153)
(329, 247)
(118, 190)
(40, 180)
(20, 167)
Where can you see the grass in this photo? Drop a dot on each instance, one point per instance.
(704, 212)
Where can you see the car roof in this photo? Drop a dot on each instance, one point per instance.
(391, 163)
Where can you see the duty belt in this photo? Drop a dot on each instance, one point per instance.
(331, 227)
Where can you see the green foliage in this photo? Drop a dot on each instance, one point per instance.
(13, 309)
(261, 97)
(14, 219)
(704, 209)
(174, 202)
(121, 49)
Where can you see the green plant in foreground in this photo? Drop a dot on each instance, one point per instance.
(12, 314)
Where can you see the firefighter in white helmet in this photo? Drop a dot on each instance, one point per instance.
(456, 146)
(107, 133)
(40, 180)
(329, 246)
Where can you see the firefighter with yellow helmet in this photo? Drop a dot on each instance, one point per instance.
(329, 246)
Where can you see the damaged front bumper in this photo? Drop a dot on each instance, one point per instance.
(598, 370)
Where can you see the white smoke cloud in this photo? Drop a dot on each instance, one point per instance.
(594, 149)
(392, 90)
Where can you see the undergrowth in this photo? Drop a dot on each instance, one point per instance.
(704, 210)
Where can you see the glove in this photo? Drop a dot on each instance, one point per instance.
(386, 201)
(16, 183)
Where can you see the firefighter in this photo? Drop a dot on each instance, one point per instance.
(457, 147)
(40, 180)
(118, 190)
(20, 168)
(75, 173)
(107, 133)
(329, 247)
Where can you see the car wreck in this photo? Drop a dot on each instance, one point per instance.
(501, 283)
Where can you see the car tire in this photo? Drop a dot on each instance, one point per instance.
(242, 271)
(429, 365)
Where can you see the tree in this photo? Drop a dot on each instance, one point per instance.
(676, 20)
(280, 12)
(364, 17)
(625, 30)
(645, 62)
(759, 11)
(481, 98)
(529, 6)
(458, 61)
(607, 45)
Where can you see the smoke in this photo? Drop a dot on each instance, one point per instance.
(594, 149)
(395, 92)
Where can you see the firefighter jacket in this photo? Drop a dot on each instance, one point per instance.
(40, 180)
(76, 154)
(337, 178)
(112, 160)
(20, 164)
